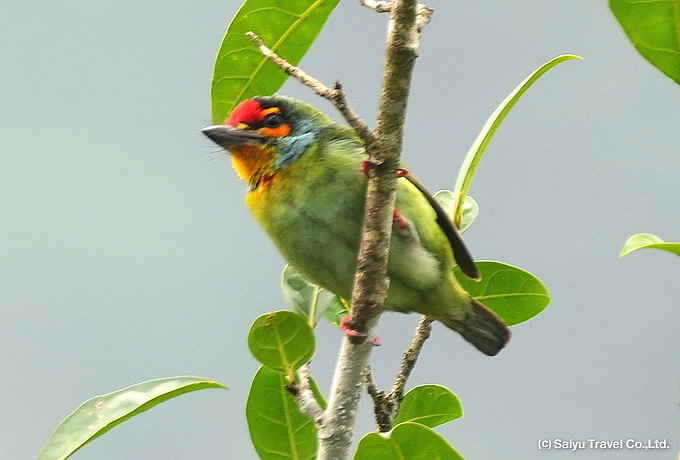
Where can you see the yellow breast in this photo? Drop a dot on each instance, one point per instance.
(251, 161)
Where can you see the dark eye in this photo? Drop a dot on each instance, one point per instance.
(272, 120)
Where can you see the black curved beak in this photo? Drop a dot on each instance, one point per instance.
(230, 136)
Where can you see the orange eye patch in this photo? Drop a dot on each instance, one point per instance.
(280, 131)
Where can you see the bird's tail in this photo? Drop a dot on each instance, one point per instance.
(482, 328)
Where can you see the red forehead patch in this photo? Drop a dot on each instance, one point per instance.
(247, 111)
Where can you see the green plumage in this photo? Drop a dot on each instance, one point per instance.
(313, 207)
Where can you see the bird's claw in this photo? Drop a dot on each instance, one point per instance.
(368, 166)
(399, 220)
(350, 332)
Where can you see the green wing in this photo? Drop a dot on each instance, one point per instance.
(460, 251)
(345, 139)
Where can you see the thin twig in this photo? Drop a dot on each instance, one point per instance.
(335, 95)
(302, 391)
(383, 405)
(409, 359)
(372, 386)
(386, 405)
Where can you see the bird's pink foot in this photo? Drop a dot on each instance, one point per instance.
(367, 167)
(399, 220)
(347, 329)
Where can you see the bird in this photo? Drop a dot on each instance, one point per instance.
(306, 182)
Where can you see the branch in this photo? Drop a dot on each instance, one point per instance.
(378, 6)
(423, 18)
(370, 282)
(336, 423)
(304, 395)
(335, 95)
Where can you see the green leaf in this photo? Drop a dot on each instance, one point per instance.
(654, 29)
(512, 293)
(305, 297)
(408, 441)
(281, 340)
(336, 311)
(647, 240)
(288, 28)
(474, 155)
(277, 428)
(429, 405)
(447, 200)
(101, 413)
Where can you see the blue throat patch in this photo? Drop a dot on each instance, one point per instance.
(291, 147)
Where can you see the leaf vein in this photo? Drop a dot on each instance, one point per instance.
(282, 39)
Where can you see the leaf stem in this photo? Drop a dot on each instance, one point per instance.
(312, 308)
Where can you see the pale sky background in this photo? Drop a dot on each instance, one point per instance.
(126, 252)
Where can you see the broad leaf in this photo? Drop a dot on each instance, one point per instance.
(277, 428)
(654, 29)
(647, 240)
(429, 405)
(512, 293)
(101, 413)
(474, 155)
(288, 28)
(305, 297)
(281, 340)
(447, 200)
(408, 441)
